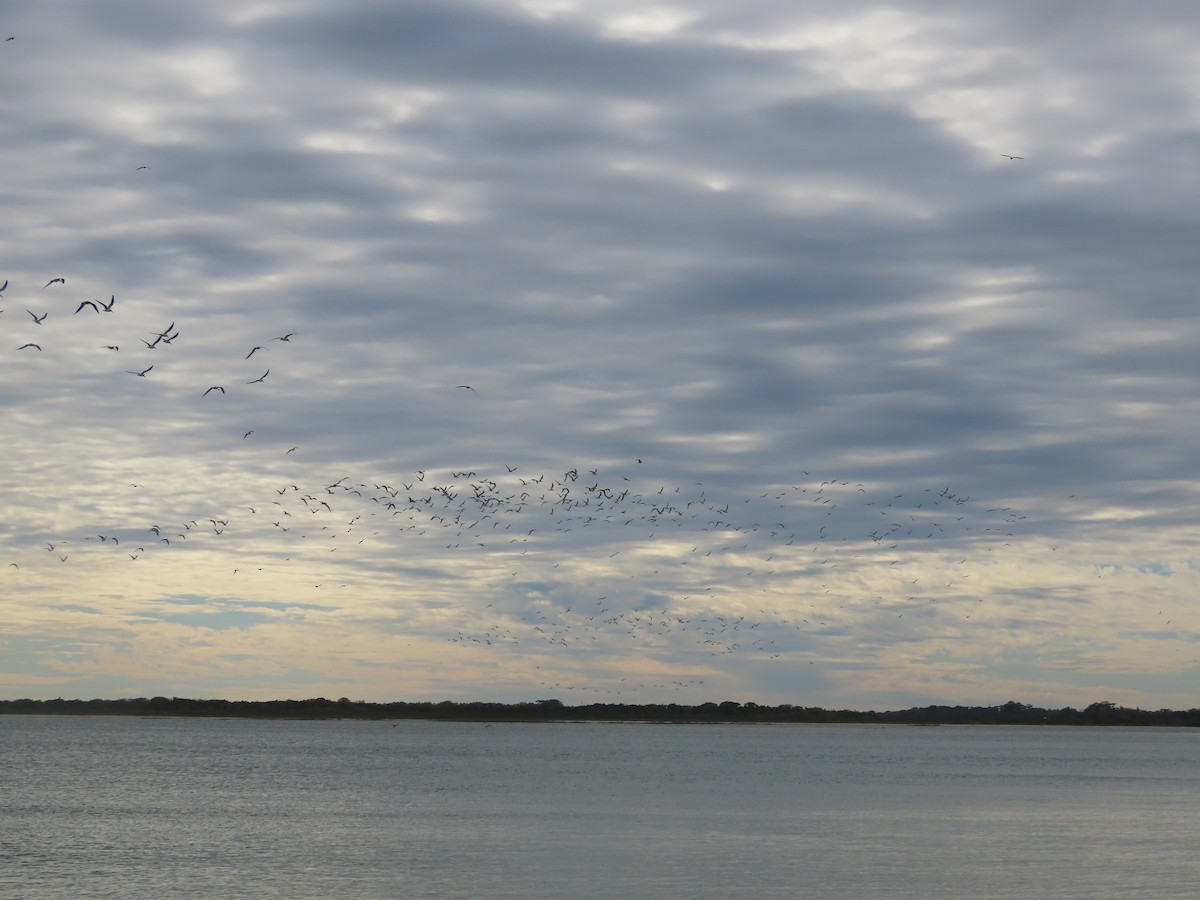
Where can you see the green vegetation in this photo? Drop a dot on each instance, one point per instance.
(1011, 713)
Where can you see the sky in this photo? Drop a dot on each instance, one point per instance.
(834, 354)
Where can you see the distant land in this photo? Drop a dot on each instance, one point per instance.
(1010, 713)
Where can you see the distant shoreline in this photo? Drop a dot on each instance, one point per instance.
(728, 712)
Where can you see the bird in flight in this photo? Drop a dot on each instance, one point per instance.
(34, 346)
(91, 303)
(1006, 156)
(54, 281)
(252, 352)
(260, 379)
(247, 434)
(466, 387)
(141, 374)
(36, 318)
(164, 336)
(139, 168)
(215, 387)
(285, 338)
(3, 286)
(108, 307)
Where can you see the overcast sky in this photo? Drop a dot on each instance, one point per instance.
(604, 351)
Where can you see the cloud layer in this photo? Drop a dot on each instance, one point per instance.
(631, 353)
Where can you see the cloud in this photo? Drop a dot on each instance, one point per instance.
(758, 321)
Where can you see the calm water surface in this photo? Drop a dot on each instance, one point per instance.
(127, 807)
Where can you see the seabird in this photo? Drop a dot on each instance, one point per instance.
(260, 378)
(141, 374)
(91, 303)
(54, 281)
(215, 387)
(36, 318)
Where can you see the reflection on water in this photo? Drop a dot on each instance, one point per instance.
(119, 807)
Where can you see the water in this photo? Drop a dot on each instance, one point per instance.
(126, 807)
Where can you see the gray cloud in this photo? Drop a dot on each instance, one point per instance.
(715, 269)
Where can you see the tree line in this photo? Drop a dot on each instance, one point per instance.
(551, 710)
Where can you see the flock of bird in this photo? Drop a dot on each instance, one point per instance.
(153, 340)
(572, 561)
(580, 560)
